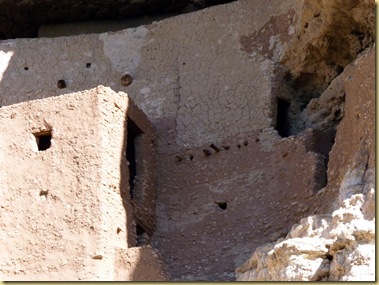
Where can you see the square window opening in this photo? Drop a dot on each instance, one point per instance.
(43, 140)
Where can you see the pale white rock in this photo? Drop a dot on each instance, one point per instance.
(336, 247)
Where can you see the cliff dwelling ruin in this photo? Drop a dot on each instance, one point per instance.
(202, 141)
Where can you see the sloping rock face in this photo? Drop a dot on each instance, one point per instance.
(331, 35)
(339, 246)
(21, 19)
(336, 247)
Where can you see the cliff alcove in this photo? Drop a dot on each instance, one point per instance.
(22, 19)
(234, 142)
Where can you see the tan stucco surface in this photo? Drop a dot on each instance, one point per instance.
(193, 81)
(63, 216)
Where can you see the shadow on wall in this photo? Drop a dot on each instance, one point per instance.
(41, 68)
(126, 265)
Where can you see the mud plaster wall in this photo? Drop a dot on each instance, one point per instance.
(63, 217)
(266, 181)
(193, 81)
(198, 84)
(249, 177)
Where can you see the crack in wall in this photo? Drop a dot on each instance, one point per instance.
(297, 111)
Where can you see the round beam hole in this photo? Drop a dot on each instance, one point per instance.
(61, 84)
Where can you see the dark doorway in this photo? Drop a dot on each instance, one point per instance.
(143, 236)
(133, 133)
(282, 120)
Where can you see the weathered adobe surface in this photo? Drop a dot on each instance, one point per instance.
(198, 87)
(22, 19)
(337, 246)
(66, 210)
(211, 176)
(202, 86)
(195, 85)
(216, 205)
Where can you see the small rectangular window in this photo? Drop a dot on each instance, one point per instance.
(43, 140)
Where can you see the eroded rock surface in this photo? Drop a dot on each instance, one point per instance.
(332, 34)
(21, 19)
(339, 246)
(336, 247)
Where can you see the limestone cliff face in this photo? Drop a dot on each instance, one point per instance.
(336, 247)
(339, 246)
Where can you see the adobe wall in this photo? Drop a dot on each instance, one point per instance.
(205, 78)
(65, 210)
(194, 82)
(269, 183)
(218, 205)
(198, 86)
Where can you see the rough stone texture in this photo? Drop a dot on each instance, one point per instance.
(65, 210)
(22, 18)
(354, 147)
(339, 246)
(332, 34)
